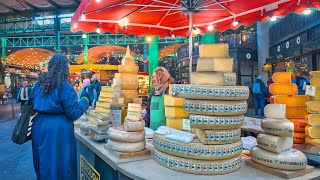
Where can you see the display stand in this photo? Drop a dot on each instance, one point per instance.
(123, 155)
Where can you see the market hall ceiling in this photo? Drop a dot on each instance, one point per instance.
(29, 8)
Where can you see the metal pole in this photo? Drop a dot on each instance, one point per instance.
(4, 45)
(190, 45)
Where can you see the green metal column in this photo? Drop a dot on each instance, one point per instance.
(85, 49)
(209, 38)
(57, 33)
(153, 56)
(3, 49)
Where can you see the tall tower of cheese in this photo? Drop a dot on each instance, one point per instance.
(284, 92)
(313, 107)
(216, 108)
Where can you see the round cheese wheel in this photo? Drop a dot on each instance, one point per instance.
(313, 119)
(313, 131)
(312, 141)
(205, 92)
(126, 146)
(118, 133)
(278, 127)
(281, 77)
(216, 122)
(273, 143)
(313, 107)
(275, 111)
(290, 159)
(130, 125)
(218, 136)
(295, 100)
(193, 166)
(196, 150)
(283, 89)
(315, 73)
(299, 125)
(215, 107)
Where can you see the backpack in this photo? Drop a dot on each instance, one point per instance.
(92, 93)
(256, 88)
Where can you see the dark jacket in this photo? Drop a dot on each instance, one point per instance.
(97, 86)
(29, 90)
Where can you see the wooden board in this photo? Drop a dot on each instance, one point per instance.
(281, 173)
(123, 155)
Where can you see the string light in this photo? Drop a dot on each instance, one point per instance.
(210, 28)
(98, 30)
(273, 18)
(149, 39)
(307, 11)
(235, 23)
(123, 22)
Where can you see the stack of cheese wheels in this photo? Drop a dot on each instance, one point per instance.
(108, 97)
(217, 107)
(313, 106)
(284, 92)
(275, 145)
(174, 112)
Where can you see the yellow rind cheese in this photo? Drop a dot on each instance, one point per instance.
(175, 123)
(283, 89)
(315, 73)
(214, 50)
(173, 101)
(315, 81)
(295, 100)
(313, 132)
(312, 141)
(217, 64)
(103, 104)
(313, 119)
(278, 127)
(273, 143)
(281, 77)
(176, 112)
(102, 110)
(313, 107)
(213, 78)
(134, 107)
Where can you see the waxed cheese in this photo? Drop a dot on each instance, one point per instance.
(295, 100)
(281, 77)
(208, 64)
(299, 125)
(313, 132)
(313, 107)
(283, 89)
(273, 143)
(278, 127)
(313, 119)
(173, 101)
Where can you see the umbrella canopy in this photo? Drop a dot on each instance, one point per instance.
(167, 17)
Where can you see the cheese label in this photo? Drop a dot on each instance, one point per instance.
(186, 124)
(310, 90)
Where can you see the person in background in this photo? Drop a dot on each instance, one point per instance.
(96, 84)
(89, 89)
(270, 81)
(260, 93)
(301, 81)
(155, 113)
(24, 93)
(53, 140)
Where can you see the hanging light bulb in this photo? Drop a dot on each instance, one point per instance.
(273, 18)
(235, 23)
(98, 30)
(123, 22)
(84, 36)
(197, 30)
(149, 39)
(83, 17)
(307, 11)
(210, 28)
(172, 35)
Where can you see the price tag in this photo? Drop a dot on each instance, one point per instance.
(186, 124)
(310, 90)
(116, 115)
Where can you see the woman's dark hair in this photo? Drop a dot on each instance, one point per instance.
(58, 71)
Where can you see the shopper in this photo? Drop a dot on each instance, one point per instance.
(89, 89)
(155, 115)
(53, 139)
(301, 81)
(24, 93)
(260, 93)
(96, 85)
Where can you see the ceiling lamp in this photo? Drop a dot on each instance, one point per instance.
(148, 38)
(307, 11)
(123, 21)
(273, 18)
(235, 23)
(98, 30)
(83, 17)
(172, 35)
(196, 30)
(84, 36)
(210, 28)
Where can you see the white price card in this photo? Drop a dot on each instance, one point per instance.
(310, 90)
(186, 124)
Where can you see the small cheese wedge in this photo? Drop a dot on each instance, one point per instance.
(134, 116)
(296, 112)
(103, 104)
(213, 78)
(98, 122)
(313, 132)
(134, 107)
(313, 119)
(313, 107)
(107, 94)
(312, 141)
(175, 123)
(277, 111)
(278, 127)
(283, 89)
(273, 143)
(173, 101)
(299, 125)
(102, 116)
(282, 77)
(295, 100)
(218, 136)
(315, 73)
(133, 126)
(176, 112)
(217, 64)
(214, 50)
(102, 110)
(315, 81)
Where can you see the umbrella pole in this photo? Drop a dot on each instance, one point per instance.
(190, 45)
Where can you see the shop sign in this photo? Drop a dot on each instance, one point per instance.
(85, 71)
(248, 56)
(87, 171)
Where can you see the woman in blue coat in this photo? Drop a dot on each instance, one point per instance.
(53, 139)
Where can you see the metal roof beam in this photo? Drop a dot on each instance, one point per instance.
(10, 8)
(55, 4)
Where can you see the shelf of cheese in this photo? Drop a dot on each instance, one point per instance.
(294, 100)
(299, 125)
(313, 131)
(313, 119)
(210, 92)
(216, 122)
(281, 77)
(296, 112)
(278, 127)
(207, 167)
(312, 141)
(217, 64)
(214, 50)
(299, 138)
(213, 78)
(290, 159)
(315, 81)
(273, 143)
(313, 107)
(196, 150)
(175, 123)
(283, 89)
(215, 107)
(218, 136)
(315, 73)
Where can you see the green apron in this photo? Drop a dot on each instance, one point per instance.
(157, 113)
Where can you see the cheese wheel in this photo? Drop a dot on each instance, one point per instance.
(295, 100)
(213, 78)
(126, 146)
(218, 136)
(296, 112)
(103, 104)
(126, 81)
(134, 107)
(209, 92)
(128, 69)
(313, 119)
(313, 107)
(175, 123)
(173, 101)
(119, 133)
(101, 116)
(299, 125)
(216, 122)
(315, 81)
(132, 126)
(283, 89)
(196, 150)
(102, 110)
(315, 73)
(299, 138)
(129, 94)
(312, 141)
(278, 127)
(290, 159)
(134, 116)
(206, 167)
(176, 112)
(273, 143)
(215, 107)
(98, 122)
(281, 77)
(217, 64)
(277, 111)
(313, 132)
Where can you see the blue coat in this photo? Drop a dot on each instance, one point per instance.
(53, 139)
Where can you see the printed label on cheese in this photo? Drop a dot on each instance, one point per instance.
(208, 92)
(196, 150)
(214, 50)
(295, 100)
(176, 112)
(313, 107)
(213, 78)
(313, 119)
(215, 107)
(119, 133)
(216, 122)
(218, 136)
(186, 124)
(134, 116)
(283, 89)
(278, 127)
(277, 111)
(173, 101)
(134, 107)
(193, 166)
(133, 126)
(281, 77)
(313, 132)
(126, 146)
(299, 125)
(273, 143)
(209, 64)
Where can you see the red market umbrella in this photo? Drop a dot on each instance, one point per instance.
(178, 17)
